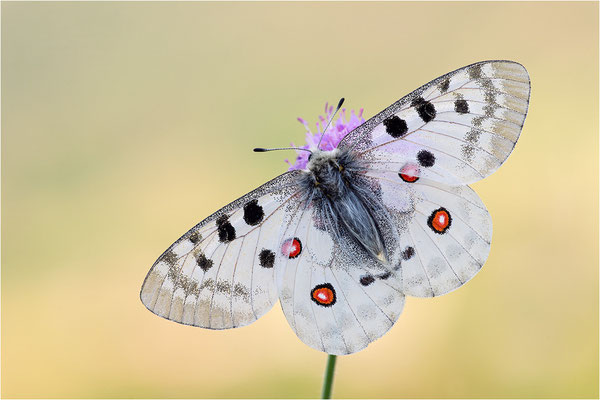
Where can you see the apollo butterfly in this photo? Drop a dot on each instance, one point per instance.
(380, 213)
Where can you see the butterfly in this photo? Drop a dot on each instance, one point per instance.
(386, 214)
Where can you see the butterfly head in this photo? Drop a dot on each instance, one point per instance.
(332, 171)
(319, 158)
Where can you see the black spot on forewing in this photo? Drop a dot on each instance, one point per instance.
(204, 263)
(461, 106)
(445, 85)
(253, 213)
(194, 237)
(395, 126)
(426, 158)
(425, 109)
(226, 230)
(366, 280)
(266, 258)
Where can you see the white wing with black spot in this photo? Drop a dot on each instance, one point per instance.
(457, 129)
(336, 298)
(386, 214)
(220, 273)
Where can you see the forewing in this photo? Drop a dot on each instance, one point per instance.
(336, 301)
(220, 274)
(456, 129)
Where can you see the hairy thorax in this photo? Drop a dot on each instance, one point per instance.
(346, 200)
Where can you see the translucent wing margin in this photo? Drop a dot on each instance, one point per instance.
(220, 273)
(457, 129)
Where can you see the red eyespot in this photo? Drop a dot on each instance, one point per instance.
(409, 173)
(439, 220)
(291, 248)
(323, 295)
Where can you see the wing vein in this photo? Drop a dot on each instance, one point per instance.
(457, 242)
(438, 248)
(348, 303)
(421, 261)
(235, 269)
(216, 288)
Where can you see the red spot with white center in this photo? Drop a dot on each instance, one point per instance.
(439, 220)
(409, 173)
(291, 248)
(323, 295)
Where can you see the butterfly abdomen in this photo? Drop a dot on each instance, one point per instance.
(345, 201)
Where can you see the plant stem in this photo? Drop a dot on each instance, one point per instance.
(328, 380)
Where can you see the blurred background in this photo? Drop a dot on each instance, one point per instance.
(125, 124)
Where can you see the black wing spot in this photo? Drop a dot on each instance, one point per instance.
(395, 126)
(445, 85)
(461, 106)
(194, 237)
(408, 253)
(424, 108)
(266, 258)
(203, 262)
(253, 213)
(226, 230)
(426, 158)
(366, 280)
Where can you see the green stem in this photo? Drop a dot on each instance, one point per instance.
(328, 381)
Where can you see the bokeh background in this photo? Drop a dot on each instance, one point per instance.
(124, 124)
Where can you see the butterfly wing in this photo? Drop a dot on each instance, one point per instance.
(336, 297)
(447, 238)
(457, 129)
(418, 154)
(220, 273)
(452, 131)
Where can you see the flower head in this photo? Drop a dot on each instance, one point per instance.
(331, 137)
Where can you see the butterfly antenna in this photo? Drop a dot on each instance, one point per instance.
(262, 150)
(330, 119)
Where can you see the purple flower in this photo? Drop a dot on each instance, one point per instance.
(331, 138)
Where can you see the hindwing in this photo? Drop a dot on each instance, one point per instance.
(336, 298)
